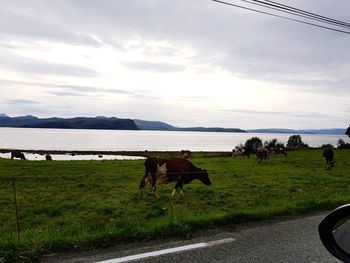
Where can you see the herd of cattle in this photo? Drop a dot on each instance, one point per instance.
(160, 171)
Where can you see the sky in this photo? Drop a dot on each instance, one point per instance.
(186, 63)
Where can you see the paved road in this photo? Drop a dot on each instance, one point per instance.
(287, 241)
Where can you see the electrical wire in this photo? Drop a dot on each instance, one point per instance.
(283, 17)
(300, 14)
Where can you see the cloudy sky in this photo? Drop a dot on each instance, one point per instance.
(184, 62)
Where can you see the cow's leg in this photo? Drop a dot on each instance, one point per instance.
(155, 188)
(153, 177)
(154, 183)
(145, 179)
(181, 192)
(175, 188)
(178, 185)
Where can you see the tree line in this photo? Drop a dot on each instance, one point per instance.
(294, 142)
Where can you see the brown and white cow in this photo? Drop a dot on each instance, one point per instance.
(165, 170)
(240, 152)
(278, 151)
(262, 154)
(185, 154)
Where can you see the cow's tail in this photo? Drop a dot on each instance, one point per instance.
(142, 184)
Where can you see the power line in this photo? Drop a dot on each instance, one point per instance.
(303, 14)
(283, 17)
(303, 11)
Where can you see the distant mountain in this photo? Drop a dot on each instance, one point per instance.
(162, 126)
(154, 125)
(113, 123)
(306, 131)
(328, 131)
(100, 122)
(71, 123)
(2, 115)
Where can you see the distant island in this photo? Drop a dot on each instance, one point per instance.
(99, 123)
(114, 123)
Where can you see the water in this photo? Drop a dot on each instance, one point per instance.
(69, 157)
(117, 140)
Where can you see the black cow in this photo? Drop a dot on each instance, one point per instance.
(17, 154)
(329, 156)
(165, 170)
(48, 157)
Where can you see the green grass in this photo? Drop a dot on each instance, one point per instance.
(71, 205)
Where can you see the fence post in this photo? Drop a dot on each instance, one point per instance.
(15, 204)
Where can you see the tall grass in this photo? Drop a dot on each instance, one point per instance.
(71, 205)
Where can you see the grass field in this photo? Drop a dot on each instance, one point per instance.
(71, 205)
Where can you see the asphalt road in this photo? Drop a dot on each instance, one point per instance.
(294, 240)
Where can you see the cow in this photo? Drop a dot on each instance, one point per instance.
(329, 156)
(48, 157)
(262, 154)
(185, 154)
(17, 154)
(165, 170)
(278, 151)
(241, 152)
(283, 151)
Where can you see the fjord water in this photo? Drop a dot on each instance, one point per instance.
(120, 140)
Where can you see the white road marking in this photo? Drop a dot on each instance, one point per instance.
(167, 251)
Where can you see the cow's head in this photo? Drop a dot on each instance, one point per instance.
(204, 177)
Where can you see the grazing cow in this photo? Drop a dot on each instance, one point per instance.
(165, 170)
(262, 154)
(241, 152)
(48, 157)
(17, 154)
(278, 151)
(329, 155)
(186, 154)
(283, 151)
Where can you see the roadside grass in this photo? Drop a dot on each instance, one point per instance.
(73, 205)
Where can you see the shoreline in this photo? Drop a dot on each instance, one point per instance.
(124, 153)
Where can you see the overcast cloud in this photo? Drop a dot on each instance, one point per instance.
(188, 63)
